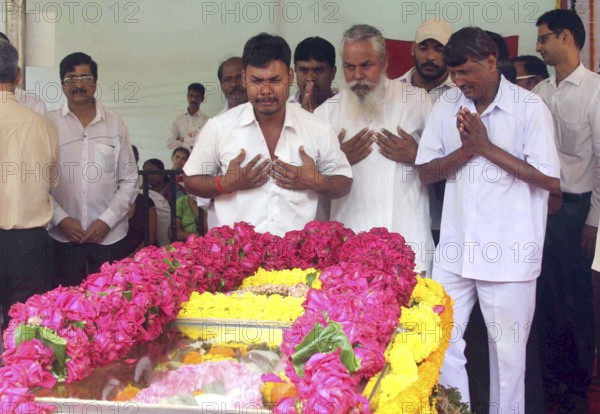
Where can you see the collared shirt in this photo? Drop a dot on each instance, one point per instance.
(574, 107)
(31, 100)
(493, 225)
(184, 129)
(28, 148)
(269, 208)
(225, 109)
(385, 193)
(98, 172)
(435, 200)
(436, 92)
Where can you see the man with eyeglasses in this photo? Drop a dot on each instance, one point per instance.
(531, 70)
(98, 176)
(565, 294)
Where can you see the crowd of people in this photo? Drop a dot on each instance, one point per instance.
(486, 165)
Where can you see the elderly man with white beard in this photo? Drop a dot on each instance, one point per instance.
(379, 123)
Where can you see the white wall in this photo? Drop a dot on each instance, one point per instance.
(148, 51)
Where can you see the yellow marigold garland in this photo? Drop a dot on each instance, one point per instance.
(416, 354)
(246, 306)
(287, 277)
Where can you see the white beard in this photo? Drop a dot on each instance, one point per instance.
(366, 106)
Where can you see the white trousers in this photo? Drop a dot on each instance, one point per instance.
(507, 309)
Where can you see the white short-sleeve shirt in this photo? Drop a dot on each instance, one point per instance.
(493, 225)
(269, 208)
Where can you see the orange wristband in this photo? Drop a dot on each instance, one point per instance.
(219, 186)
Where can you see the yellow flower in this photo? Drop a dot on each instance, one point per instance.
(415, 355)
(287, 277)
(246, 306)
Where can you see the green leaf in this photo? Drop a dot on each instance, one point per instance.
(25, 333)
(79, 324)
(59, 347)
(221, 284)
(50, 339)
(171, 266)
(128, 294)
(310, 278)
(325, 340)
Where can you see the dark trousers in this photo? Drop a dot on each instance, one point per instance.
(74, 262)
(26, 265)
(565, 308)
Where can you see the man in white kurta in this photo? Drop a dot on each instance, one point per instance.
(495, 146)
(385, 192)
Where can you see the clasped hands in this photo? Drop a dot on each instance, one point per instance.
(399, 148)
(473, 133)
(72, 229)
(258, 171)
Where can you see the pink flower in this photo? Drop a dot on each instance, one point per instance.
(32, 350)
(327, 387)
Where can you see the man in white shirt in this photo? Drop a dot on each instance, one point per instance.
(98, 176)
(565, 295)
(430, 73)
(185, 127)
(230, 78)
(314, 64)
(266, 162)
(495, 148)
(386, 191)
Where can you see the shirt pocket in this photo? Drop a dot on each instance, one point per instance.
(106, 157)
(571, 135)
